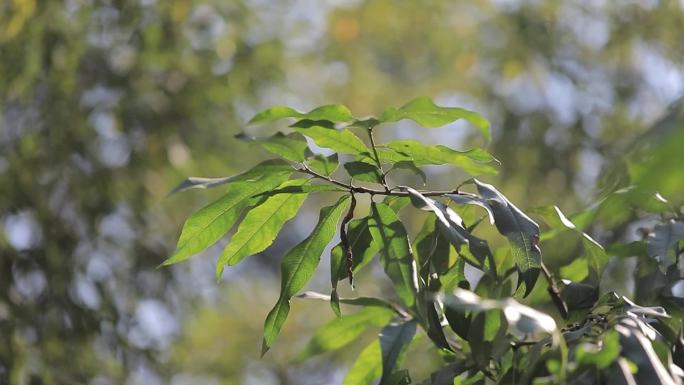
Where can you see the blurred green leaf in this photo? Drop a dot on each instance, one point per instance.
(663, 237)
(333, 113)
(298, 266)
(425, 112)
(367, 367)
(261, 225)
(600, 356)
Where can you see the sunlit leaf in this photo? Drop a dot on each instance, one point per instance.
(333, 113)
(358, 301)
(298, 266)
(425, 112)
(367, 367)
(292, 146)
(324, 135)
(474, 162)
(273, 166)
(261, 225)
(210, 223)
(343, 330)
(395, 252)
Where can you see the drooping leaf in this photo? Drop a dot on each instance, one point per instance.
(325, 135)
(475, 250)
(362, 171)
(210, 223)
(367, 367)
(268, 167)
(261, 225)
(425, 112)
(325, 165)
(341, 331)
(395, 252)
(333, 113)
(475, 161)
(292, 146)
(521, 231)
(394, 340)
(298, 266)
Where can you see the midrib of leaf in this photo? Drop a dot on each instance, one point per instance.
(262, 223)
(317, 230)
(255, 187)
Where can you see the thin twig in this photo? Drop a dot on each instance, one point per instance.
(555, 293)
(365, 190)
(383, 177)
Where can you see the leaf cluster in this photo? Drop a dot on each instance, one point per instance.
(482, 332)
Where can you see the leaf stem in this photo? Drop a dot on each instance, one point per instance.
(383, 177)
(365, 190)
(554, 293)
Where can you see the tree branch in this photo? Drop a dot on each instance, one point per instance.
(365, 190)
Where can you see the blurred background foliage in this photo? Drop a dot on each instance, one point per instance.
(106, 105)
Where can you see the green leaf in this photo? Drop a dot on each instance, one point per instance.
(298, 266)
(362, 171)
(363, 250)
(425, 112)
(261, 225)
(292, 146)
(450, 224)
(475, 161)
(302, 189)
(358, 301)
(664, 236)
(595, 254)
(521, 231)
(341, 331)
(325, 135)
(367, 367)
(411, 166)
(333, 113)
(210, 223)
(394, 340)
(325, 165)
(272, 166)
(395, 253)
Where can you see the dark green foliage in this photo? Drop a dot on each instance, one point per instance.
(484, 335)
